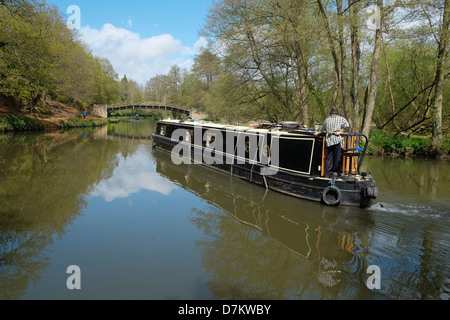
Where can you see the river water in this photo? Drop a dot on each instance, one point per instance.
(139, 227)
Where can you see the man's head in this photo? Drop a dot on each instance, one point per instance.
(335, 111)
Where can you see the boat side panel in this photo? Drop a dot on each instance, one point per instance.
(296, 184)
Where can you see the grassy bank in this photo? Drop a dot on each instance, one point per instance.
(14, 123)
(89, 123)
(19, 123)
(384, 145)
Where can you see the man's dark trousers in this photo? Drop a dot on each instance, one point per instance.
(333, 160)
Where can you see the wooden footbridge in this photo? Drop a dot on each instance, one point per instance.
(151, 106)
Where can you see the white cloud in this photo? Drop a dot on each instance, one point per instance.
(200, 44)
(129, 178)
(139, 58)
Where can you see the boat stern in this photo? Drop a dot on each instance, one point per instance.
(369, 190)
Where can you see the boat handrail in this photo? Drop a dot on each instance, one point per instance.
(361, 151)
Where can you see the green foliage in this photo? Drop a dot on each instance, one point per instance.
(155, 114)
(80, 123)
(33, 215)
(274, 61)
(295, 59)
(40, 57)
(18, 123)
(166, 88)
(382, 144)
(106, 83)
(411, 68)
(446, 145)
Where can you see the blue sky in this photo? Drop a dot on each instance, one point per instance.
(141, 38)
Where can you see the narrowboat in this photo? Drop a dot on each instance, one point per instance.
(284, 157)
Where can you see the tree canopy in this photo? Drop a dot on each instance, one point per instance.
(41, 58)
(384, 63)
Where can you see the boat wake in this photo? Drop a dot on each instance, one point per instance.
(410, 209)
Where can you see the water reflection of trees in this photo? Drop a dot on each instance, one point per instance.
(245, 262)
(425, 178)
(138, 130)
(418, 229)
(261, 245)
(43, 180)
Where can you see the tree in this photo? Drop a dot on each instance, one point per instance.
(356, 60)
(124, 90)
(266, 44)
(330, 39)
(107, 87)
(41, 58)
(174, 80)
(440, 72)
(408, 74)
(26, 57)
(194, 92)
(155, 89)
(207, 67)
(295, 59)
(130, 92)
(372, 89)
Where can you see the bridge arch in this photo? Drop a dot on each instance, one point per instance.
(152, 106)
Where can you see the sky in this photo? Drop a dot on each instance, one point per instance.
(141, 38)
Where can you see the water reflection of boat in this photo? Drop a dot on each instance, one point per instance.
(284, 158)
(310, 238)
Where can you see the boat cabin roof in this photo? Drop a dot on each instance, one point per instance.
(214, 125)
(237, 127)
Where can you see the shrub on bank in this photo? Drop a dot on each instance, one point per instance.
(80, 123)
(19, 123)
(382, 144)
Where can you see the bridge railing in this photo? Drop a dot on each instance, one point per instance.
(172, 108)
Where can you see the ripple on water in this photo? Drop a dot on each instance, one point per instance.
(405, 236)
(418, 210)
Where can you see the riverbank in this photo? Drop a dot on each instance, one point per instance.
(54, 116)
(388, 146)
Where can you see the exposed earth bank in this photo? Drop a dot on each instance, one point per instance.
(51, 116)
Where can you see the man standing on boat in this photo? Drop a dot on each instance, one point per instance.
(334, 126)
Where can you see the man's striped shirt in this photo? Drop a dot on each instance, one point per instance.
(332, 124)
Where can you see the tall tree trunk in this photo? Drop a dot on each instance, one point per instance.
(300, 83)
(373, 76)
(299, 67)
(388, 82)
(333, 52)
(356, 57)
(438, 101)
(258, 62)
(342, 47)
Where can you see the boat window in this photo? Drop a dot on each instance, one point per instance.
(189, 135)
(266, 151)
(248, 146)
(296, 154)
(163, 130)
(251, 147)
(210, 139)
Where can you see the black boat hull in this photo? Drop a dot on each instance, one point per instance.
(348, 190)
